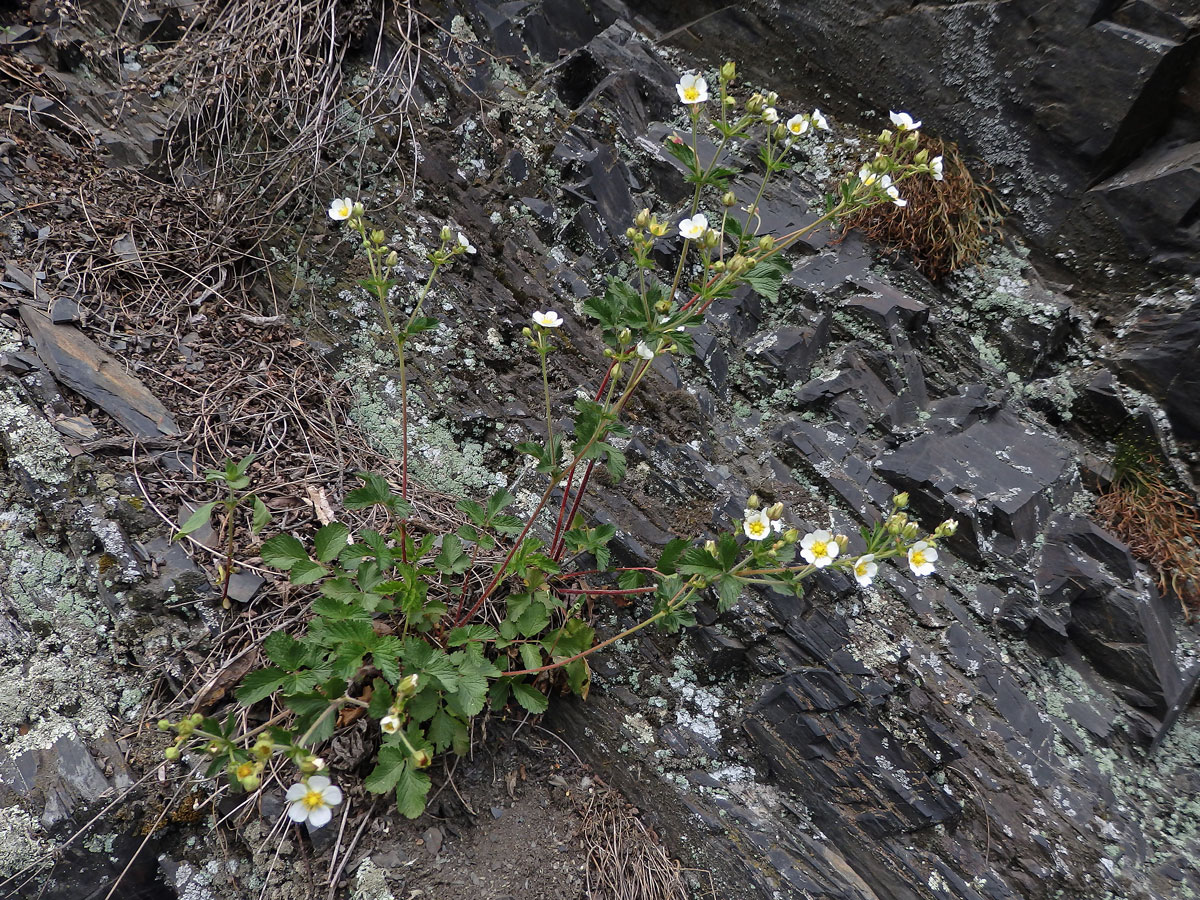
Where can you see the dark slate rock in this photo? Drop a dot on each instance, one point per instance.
(609, 183)
(64, 311)
(790, 351)
(718, 653)
(1161, 354)
(57, 779)
(890, 307)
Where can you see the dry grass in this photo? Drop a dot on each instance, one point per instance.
(266, 98)
(1158, 522)
(944, 226)
(625, 860)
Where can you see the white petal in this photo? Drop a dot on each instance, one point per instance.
(296, 792)
(332, 795)
(318, 783)
(319, 817)
(297, 812)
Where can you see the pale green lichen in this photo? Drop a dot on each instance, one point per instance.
(34, 444)
(371, 882)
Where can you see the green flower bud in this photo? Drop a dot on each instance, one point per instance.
(947, 528)
(718, 266)
(885, 136)
(842, 541)
(775, 511)
(791, 536)
(447, 233)
(624, 336)
(631, 233)
(662, 307)
(756, 104)
(766, 243)
(392, 259)
(357, 211)
(900, 500)
(780, 131)
(728, 71)
(378, 237)
(921, 158)
(710, 239)
(729, 101)
(910, 531)
(527, 331)
(895, 523)
(171, 753)
(164, 724)
(772, 98)
(728, 199)
(752, 502)
(616, 371)
(643, 218)
(407, 686)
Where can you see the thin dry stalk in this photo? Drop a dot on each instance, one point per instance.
(624, 860)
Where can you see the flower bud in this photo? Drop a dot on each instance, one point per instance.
(527, 332)
(624, 336)
(910, 531)
(642, 219)
(780, 131)
(895, 523)
(357, 211)
(728, 71)
(775, 511)
(171, 753)
(662, 307)
(791, 535)
(407, 686)
(766, 243)
(710, 547)
(617, 371)
(885, 136)
(631, 233)
(729, 101)
(378, 237)
(184, 729)
(947, 528)
(728, 199)
(772, 98)
(843, 542)
(710, 239)
(164, 724)
(738, 264)
(900, 500)
(718, 266)
(756, 104)
(921, 158)
(447, 233)
(311, 764)
(392, 259)
(752, 502)
(910, 143)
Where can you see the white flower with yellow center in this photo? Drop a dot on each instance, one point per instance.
(644, 350)
(547, 319)
(312, 801)
(935, 168)
(819, 121)
(341, 208)
(798, 124)
(921, 556)
(463, 242)
(770, 115)
(903, 121)
(693, 229)
(865, 569)
(389, 724)
(892, 191)
(692, 89)
(757, 525)
(867, 177)
(819, 548)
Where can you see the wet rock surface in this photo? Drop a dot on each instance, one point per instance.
(1019, 726)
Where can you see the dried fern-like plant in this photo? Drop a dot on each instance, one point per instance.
(945, 224)
(1158, 522)
(265, 95)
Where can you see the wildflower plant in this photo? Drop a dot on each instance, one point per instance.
(419, 630)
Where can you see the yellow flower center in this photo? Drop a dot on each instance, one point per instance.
(691, 93)
(820, 548)
(245, 770)
(757, 528)
(860, 569)
(313, 799)
(918, 558)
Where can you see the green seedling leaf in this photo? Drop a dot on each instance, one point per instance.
(330, 540)
(260, 516)
(196, 520)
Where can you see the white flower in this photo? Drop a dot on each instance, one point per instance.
(389, 724)
(770, 115)
(341, 208)
(313, 801)
(547, 319)
(757, 525)
(892, 191)
(935, 168)
(692, 89)
(903, 121)
(819, 120)
(867, 177)
(693, 228)
(819, 548)
(798, 124)
(865, 568)
(464, 243)
(921, 556)
(644, 351)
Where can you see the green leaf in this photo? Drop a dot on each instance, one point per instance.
(310, 708)
(282, 552)
(386, 657)
(443, 729)
(420, 324)
(305, 571)
(698, 561)
(530, 697)
(197, 519)
(472, 692)
(451, 560)
(729, 588)
(465, 633)
(330, 540)
(682, 151)
(260, 685)
(377, 492)
(474, 511)
(616, 466)
(381, 699)
(498, 501)
(284, 650)
(671, 554)
(389, 768)
(260, 516)
(579, 677)
(767, 277)
(533, 620)
(358, 631)
(531, 656)
(411, 791)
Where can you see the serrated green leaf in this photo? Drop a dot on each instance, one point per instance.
(260, 516)
(284, 650)
(465, 633)
(283, 552)
(729, 588)
(381, 699)
(531, 656)
(451, 560)
(671, 554)
(530, 697)
(357, 631)
(472, 692)
(330, 540)
(389, 768)
(411, 791)
(305, 571)
(260, 685)
(442, 730)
